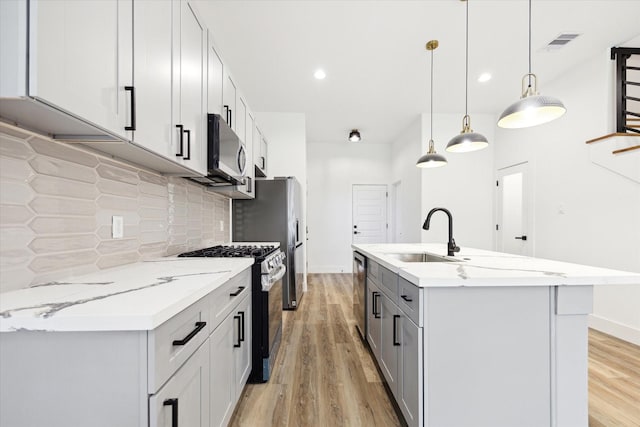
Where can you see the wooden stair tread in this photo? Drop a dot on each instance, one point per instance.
(624, 150)
(611, 135)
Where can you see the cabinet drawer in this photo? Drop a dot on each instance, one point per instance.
(229, 295)
(389, 282)
(373, 270)
(410, 300)
(171, 344)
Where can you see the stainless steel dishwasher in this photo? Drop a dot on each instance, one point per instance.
(360, 293)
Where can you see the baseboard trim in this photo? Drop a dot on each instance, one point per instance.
(618, 330)
(329, 269)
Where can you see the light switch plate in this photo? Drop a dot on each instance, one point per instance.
(117, 227)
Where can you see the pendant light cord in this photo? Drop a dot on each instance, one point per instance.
(466, 67)
(431, 107)
(529, 43)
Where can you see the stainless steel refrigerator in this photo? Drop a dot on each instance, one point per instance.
(274, 216)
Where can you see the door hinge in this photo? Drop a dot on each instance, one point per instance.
(497, 227)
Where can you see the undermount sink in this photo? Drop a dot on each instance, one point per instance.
(418, 257)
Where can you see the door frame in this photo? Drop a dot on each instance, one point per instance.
(528, 198)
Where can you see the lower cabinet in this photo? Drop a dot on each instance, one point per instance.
(184, 399)
(397, 345)
(230, 356)
(390, 343)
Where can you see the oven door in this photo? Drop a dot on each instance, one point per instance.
(275, 310)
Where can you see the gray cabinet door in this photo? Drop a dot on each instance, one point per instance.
(373, 318)
(185, 396)
(390, 342)
(410, 372)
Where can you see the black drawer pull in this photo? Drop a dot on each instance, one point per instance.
(174, 410)
(395, 327)
(376, 313)
(133, 107)
(236, 293)
(241, 326)
(406, 298)
(198, 328)
(181, 129)
(188, 156)
(238, 344)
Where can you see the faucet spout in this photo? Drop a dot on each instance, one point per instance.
(451, 244)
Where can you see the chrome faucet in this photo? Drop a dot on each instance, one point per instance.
(451, 245)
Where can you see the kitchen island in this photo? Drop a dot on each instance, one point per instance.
(482, 338)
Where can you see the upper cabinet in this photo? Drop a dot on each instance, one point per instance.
(132, 78)
(61, 75)
(260, 153)
(169, 81)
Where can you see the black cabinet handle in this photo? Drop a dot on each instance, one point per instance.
(356, 232)
(198, 328)
(376, 314)
(133, 107)
(230, 118)
(395, 327)
(226, 107)
(521, 238)
(236, 293)
(406, 298)
(174, 410)
(239, 328)
(241, 325)
(181, 129)
(263, 161)
(188, 156)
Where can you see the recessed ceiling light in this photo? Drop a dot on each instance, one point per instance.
(484, 77)
(320, 74)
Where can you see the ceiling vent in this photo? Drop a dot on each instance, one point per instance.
(561, 41)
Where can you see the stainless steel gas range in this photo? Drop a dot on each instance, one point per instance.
(266, 299)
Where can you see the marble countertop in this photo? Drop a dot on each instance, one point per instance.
(476, 267)
(137, 296)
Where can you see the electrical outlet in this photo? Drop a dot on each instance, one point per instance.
(117, 227)
(221, 225)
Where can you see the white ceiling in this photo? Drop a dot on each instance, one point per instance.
(375, 58)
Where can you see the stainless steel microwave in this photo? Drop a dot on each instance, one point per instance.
(226, 154)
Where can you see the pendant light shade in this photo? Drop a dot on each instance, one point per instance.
(532, 109)
(431, 159)
(468, 140)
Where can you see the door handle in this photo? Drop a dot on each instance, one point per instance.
(356, 232)
(376, 314)
(236, 293)
(239, 319)
(198, 328)
(181, 129)
(406, 298)
(174, 410)
(226, 107)
(188, 156)
(133, 107)
(242, 326)
(521, 238)
(395, 330)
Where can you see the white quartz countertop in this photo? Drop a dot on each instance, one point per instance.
(476, 267)
(137, 296)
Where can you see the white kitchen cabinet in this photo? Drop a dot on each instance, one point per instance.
(215, 80)
(260, 154)
(241, 118)
(373, 317)
(68, 66)
(242, 351)
(184, 399)
(389, 342)
(229, 99)
(222, 374)
(189, 53)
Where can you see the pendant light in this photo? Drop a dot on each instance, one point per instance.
(468, 140)
(431, 159)
(532, 109)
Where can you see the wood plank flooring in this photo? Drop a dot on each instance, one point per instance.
(324, 376)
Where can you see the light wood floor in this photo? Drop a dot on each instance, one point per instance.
(324, 376)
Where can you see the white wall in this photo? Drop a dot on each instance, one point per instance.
(287, 155)
(405, 151)
(583, 213)
(333, 168)
(465, 185)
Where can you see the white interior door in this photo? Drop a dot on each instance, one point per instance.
(514, 226)
(395, 222)
(369, 214)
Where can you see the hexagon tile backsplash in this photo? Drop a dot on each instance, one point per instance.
(57, 203)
